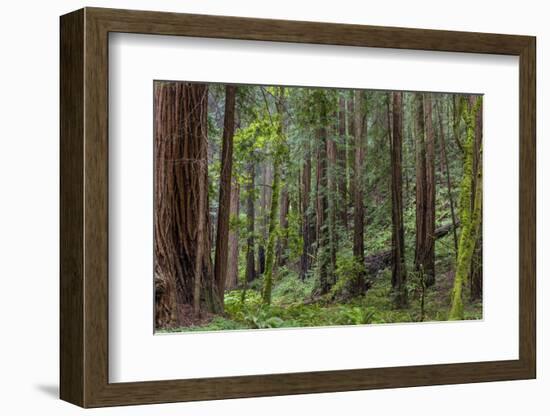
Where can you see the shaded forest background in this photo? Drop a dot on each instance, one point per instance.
(292, 207)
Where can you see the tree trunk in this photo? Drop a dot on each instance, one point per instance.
(282, 244)
(323, 231)
(399, 270)
(476, 278)
(222, 235)
(350, 150)
(470, 217)
(250, 222)
(332, 201)
(358, 209)
(275, 190)
(425, 190)
(182, 246)
(444, 158)
(307, 252)
(342, 164)
(233, 251)
(429, 259)
(265, 202)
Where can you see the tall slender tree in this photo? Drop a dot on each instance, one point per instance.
(307, 223)
(425, 190)
(399, 269)
(323, 227)
(250, 272)
(222, 235)
(360, 131)
(233, 250)
(429, 247)
(342, 171)
(278, 154)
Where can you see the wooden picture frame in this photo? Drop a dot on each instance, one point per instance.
(84, 207)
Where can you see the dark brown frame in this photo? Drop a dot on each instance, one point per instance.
(84, 209)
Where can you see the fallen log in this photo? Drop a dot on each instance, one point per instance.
(383, 259)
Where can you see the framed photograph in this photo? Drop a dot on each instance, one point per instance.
(256, 207)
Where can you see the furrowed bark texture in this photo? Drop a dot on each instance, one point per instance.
(181, 221)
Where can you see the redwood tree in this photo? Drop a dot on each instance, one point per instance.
(181, 220)
(429, 254)
(233, 250)
(250, 272)
(359, 131)
(307, 221)
(222, 235)
(425, 190)
(399, 270)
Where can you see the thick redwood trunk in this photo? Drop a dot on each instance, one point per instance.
(222, 235)
(182, 247)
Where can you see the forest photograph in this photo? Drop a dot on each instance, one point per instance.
(292, 207)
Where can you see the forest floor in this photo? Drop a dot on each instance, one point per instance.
(295, 305)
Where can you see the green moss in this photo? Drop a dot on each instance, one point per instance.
(470, 218)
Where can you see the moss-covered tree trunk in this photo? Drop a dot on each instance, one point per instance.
(476, 281)
(278, 155)
(445, 161)
(271, 233)
(470, 216)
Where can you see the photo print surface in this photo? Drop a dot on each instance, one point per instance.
(289, 207)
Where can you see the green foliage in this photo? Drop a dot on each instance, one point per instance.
(289, 289)
(348, 271)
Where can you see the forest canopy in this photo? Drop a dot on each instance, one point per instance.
(294, 207)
